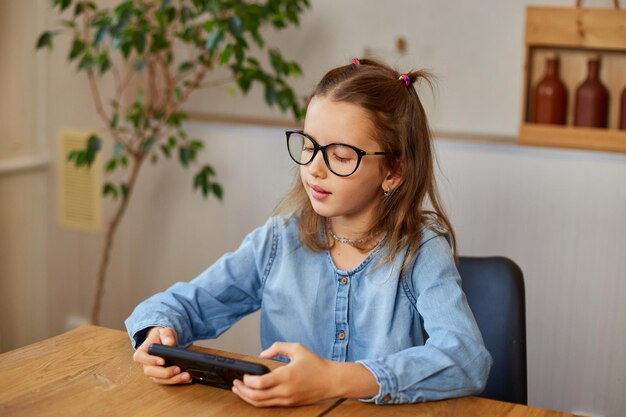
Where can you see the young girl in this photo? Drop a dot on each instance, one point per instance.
(355, 278)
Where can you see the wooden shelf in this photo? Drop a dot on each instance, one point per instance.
(573, 137)
(575, 34)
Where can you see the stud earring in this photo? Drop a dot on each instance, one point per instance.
(386, 192)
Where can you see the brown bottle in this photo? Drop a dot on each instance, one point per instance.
(622, 113)
(592, 99)
(550, 104)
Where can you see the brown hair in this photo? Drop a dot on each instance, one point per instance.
(401, 128)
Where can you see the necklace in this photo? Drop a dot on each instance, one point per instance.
(352, 242)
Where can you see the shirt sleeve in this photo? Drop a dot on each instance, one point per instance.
(211, 303)
(454, 361)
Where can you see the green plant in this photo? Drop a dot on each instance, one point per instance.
(157, 52)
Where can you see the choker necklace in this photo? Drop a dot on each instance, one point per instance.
(352, 242)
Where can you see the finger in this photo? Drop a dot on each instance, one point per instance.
(155, 335)
(259, 398)
(167, 336)
(280, 348)
(143, 357)
(161, 372)
(181, 378)
(263, 381)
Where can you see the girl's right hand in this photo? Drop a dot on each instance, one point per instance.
(153, 365)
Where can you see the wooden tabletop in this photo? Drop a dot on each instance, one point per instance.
(89, 372)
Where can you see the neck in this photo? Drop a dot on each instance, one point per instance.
(357, 240)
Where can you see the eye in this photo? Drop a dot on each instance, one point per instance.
(343, 154)
(308, 146)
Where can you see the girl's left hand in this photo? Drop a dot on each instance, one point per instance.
(308, 378)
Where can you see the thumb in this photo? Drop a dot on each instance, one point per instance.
(167, 336)
(279, 348)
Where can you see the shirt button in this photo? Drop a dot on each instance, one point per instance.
(387, 398)
(343, 280)
(341, 335)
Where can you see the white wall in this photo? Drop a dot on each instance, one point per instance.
(559, 214)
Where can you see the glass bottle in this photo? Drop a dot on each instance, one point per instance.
(622, 113)
(550, 98)
(592, 98)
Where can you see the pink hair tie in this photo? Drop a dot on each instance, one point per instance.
(406, 79)
(355, 61)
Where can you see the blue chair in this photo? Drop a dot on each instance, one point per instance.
(494, 287)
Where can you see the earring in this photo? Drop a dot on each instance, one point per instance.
(386, 192)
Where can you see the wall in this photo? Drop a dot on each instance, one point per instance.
(23, 297)
(559, 214)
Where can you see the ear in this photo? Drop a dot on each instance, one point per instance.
(392, 180)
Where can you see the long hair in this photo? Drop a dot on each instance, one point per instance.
(401, 128)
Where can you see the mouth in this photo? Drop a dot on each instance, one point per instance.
(318, 192)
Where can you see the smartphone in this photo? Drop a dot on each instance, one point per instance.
(205, 368)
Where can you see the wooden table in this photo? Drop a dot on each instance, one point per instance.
(89, 372)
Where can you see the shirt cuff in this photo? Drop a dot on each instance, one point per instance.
(388, 385)
(139, 331)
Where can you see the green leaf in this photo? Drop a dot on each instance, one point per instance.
(94, 144)
(185, 66)
(270, 94)
(225, 55)
(117, 149)
(217, 190)
(159, 42)
(78, 47)
(125, 191)
(103, 62)
(101, 34)
(62, 4)
(277, 62)
(74, 156)
(213, 40)
(86, 62)
(111, 165)
(109, 188)
(196, 145)
(235, 25)
(149, 143)
(79, 9)
(184, 155)
(45, 39)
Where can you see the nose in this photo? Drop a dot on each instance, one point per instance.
(317, 167)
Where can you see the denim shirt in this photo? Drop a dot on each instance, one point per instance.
(413, 330)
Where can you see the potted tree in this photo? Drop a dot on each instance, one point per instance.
(157, 53)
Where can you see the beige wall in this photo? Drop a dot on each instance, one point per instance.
(23, 298)
(559, 214)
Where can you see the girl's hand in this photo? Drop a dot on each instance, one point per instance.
(153, 365)
(307, 379)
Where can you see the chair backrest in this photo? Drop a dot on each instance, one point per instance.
(494, 287)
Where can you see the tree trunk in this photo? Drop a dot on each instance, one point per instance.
(108, 243)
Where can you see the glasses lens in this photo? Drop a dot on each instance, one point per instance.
(342, 160)
(300, 148)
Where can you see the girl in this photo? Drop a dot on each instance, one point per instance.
(355, 278)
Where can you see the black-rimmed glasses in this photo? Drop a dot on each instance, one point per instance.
(341, 159)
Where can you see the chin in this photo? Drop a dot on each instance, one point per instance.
(321, 209)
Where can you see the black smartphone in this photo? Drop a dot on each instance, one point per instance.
(205, 368)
